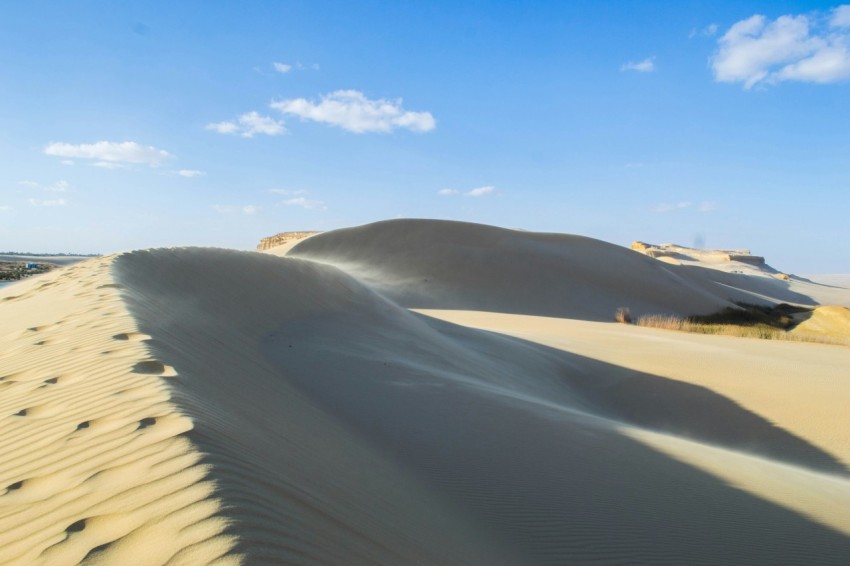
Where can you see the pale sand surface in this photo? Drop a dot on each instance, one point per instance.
(799, 388)
(95, 463)
(188, 406)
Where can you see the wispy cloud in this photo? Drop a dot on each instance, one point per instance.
(645, 66)
(305, 202)
(247, 210)
(190, 173)
(248, 125)
(4, 208)
(109, 165)
(58, 187)
(288, 192)
(705, 206)
(284, 68)
(67, 162)
(106, 152)
(807, 48)
(49, 202)
(708, 31)
(476, 192)
(351, 110)
(840, 17)
(481, 191)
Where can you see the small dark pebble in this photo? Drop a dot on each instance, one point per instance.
(16, 485)
(146, 422)
(82, 425)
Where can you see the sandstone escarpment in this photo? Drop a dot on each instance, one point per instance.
(281, 239)
(726, 260)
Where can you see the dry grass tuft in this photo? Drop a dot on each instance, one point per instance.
(760, 330)
(623, 315)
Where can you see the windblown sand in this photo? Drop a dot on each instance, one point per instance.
(192, 406)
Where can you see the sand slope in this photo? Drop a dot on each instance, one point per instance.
(95, 463)
(212, 405)
(457, 265)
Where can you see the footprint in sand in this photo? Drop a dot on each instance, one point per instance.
(76, 527)
(41, 411)
(131, 336)
(154, 367)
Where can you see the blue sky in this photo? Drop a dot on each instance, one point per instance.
(130, 125)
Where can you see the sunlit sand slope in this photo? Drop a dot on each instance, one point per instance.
(95, 464)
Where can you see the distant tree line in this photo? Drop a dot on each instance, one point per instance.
(14, 271)
(50, 255)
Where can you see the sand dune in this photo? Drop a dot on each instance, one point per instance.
(197, 406)
(442, 264)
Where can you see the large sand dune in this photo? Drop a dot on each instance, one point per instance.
(191, 406)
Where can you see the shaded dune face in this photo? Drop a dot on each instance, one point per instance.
(455, 265)
(340, 427)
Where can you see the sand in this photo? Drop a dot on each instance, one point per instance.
(412, 392)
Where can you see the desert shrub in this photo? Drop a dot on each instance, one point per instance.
(749, 321)
(623, 315)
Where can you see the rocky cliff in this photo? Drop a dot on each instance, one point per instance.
(281, 239)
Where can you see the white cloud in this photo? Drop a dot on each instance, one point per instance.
(110, 152)
(108, 165)
(645, 66)
(352, 111)
(480, 191)
(841, 17)
(190, 173)
(224, 127)
(58, 187)
(477, 192)
(4, 208)
(704, 206)
(790, 48)
(53, 202)
(288, 192)
(248, 125)
(304, 202)
(247, 210)
(282, 67)
(708, 31)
